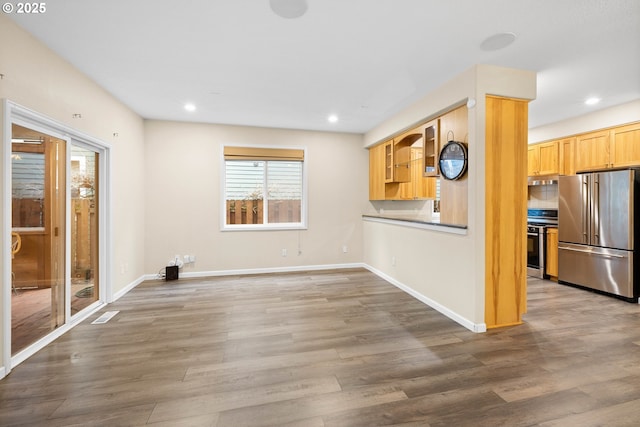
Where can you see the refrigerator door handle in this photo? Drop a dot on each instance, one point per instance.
(584, 209)
(596, 209)
(591, 252)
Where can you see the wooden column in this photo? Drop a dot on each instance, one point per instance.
(506, 211)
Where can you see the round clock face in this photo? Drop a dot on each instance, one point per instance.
(453, 160)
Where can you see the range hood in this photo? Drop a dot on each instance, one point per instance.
(543, 180)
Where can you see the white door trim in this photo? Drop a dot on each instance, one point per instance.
(14, 113)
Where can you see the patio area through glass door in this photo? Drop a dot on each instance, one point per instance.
(52, 278)
(38, 230)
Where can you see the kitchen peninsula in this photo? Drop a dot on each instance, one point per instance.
(476, 275)
(415, 221)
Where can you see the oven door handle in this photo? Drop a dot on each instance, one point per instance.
(533, 234)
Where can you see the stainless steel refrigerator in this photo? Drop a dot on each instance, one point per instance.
(597, 231)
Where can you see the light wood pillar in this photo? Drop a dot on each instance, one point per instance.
(506, 211)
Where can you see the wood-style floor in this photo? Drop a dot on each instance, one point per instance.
(31, 313)
(335, 348)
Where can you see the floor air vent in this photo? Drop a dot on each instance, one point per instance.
(105, 317)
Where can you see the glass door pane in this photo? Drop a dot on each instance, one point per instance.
(84, 228)
(38, 235)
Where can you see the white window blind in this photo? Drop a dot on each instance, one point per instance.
(263, 187)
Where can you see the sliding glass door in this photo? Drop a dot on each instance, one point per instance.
(46, 291)
(57, 216)
(84, 227)
(38, 230)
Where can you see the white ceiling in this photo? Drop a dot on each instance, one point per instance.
(363, 60)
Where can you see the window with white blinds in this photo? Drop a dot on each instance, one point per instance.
(263, 188)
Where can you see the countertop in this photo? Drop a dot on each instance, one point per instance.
(415, 220)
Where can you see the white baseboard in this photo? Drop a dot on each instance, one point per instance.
(215, 273)
(122, 292)
(463, 321)
(3, 372)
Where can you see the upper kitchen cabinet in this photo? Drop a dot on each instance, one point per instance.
(377, 171)
(431, 149)
(393, 166)
(610, 148)
(592, 151)
(625, 141)
(406, 167)
(420, 186)
(567, 150)
(402, 155)
(388, 161)
(542, 159)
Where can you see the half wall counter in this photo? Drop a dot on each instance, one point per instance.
(415, 220)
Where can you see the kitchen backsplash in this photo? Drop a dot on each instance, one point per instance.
(543, 197)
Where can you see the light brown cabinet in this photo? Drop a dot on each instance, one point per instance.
(388, 161)
(592, 151)
(552, 252)
(431, 149)
(618, 147)
(420, 187)
(398, 169)
(397, 154)
(395, 169)
(542, 159)
(454, 208)
(625, 142)
(567, 163)
(377, 171)
(402, 146)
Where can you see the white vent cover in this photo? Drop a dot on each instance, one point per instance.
(105, 317)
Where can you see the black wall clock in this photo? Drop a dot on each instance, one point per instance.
(453, 160)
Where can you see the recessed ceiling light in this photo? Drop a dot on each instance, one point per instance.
(289, 9)
(498, 41)
(592, 101)
(332, 118)
(189, 107)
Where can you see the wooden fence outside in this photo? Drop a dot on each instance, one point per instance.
(27, 212)
(83, 238)
(252, 211)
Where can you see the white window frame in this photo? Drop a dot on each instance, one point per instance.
(302, 225)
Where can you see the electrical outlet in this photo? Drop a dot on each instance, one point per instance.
(393, 261)
(345, 249)
(284, 252)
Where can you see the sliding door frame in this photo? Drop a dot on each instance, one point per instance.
(14, 113)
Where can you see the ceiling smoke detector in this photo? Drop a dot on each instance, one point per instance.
(289, 9)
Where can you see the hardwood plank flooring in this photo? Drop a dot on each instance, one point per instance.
(331, 348)
(31, 313)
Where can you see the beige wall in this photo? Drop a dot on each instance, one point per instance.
(166, 177)
(613, 116)
(183, 169)
(36, 78)
(447, 269)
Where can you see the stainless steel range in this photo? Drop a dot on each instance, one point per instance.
(537, 222)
